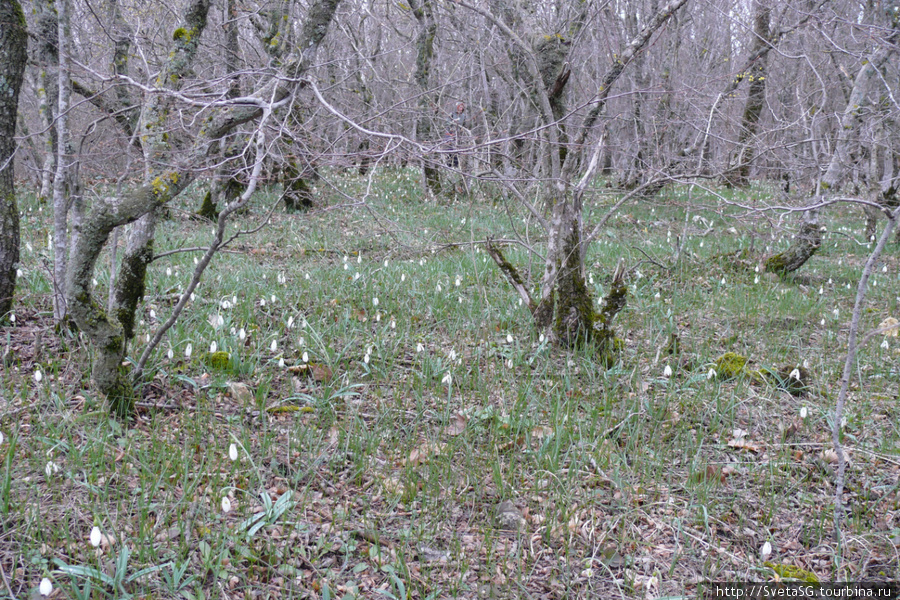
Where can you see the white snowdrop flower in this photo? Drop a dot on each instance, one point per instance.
(168, 271)
(290, 322)
(509, 338)
(874, 282)
(19, 273)
(457, 282)
(452, 355)
(393, 323)
(805, 363)
(356, 276)
(765, 551)
(96, 536)
(885, 344)
(302, 341)
(541, 338)
(366, 358)
(459, 298)
(262, 302)
(188, 350)
(402, 277)
(1, 437)
(447, 379)
(830, 281)
(213, 346)
(803, 412)
(38, 375)
(843, 422)
(193, 297)
(701, 244)
(378, 317)
(438, 288)
(274, 346)
(306, 276)
(281, 363)
(225, 304)
(273, 298)
(656, 295)
(46, 588)
(359, 259)
(822, 322)
(226, 504)
(462, 221)
(305, 357)
(591, 278)
(346, 258)
(147, 338)
(795, 374)
(421, 262)
(711, 373)
(723, 281)
(170, 354)
(12, 318)
(94, 282)
(884, 269)
(196, 262)
(520, 302)
(385, 263)
(346, 267)
(667, 372)
(756, 269)
(51, 468)
(242, 334)
(152, 314)
(375, 301)
(509, 363)
(821, 290)
(836, 313)
(848, 286)
(756, 279)
(420, 347)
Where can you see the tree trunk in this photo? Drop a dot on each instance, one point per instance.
(62, 178)
(424, 13)
(13, 43)
(47, 58)
(739, 175)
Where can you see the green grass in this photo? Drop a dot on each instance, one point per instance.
(389, 478)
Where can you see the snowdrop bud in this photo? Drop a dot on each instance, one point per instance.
(95, 537)
(1, 437)
(402, 277)
(189, 349)
(541, 338)
(168, 271)
(366, 358)
(836, 312)
(226, 504)
(375, 301)
(242, 334)
(213, 347)
(438, 288)
(509, 338)
(262, 302)
(765, 551)
(281, 363)
(232, 452)
(274, 346)
(170, 354)
(305, 357)
(667, 372)
(38, 376)
(290, 322)
(803, 412)
(46, 587)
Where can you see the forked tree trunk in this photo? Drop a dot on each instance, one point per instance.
(13, 40)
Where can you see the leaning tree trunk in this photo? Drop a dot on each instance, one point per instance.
(809, 238)
(13, 41)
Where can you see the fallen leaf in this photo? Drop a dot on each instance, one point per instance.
(240, 392)
(457, 426)
(423, 453)
(893, 323)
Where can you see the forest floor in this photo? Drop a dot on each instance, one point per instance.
(400, 430)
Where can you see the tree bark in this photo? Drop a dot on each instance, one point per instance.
(13, 43)
(62, 178)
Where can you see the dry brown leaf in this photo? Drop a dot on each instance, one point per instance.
(745, 444)
(423, 453)
(541, 432)
(893, 323)
(457, 425)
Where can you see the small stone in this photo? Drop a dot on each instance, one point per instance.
(240, 392)
(509, 517)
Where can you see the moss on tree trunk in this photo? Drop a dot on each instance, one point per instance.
(806, 244)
